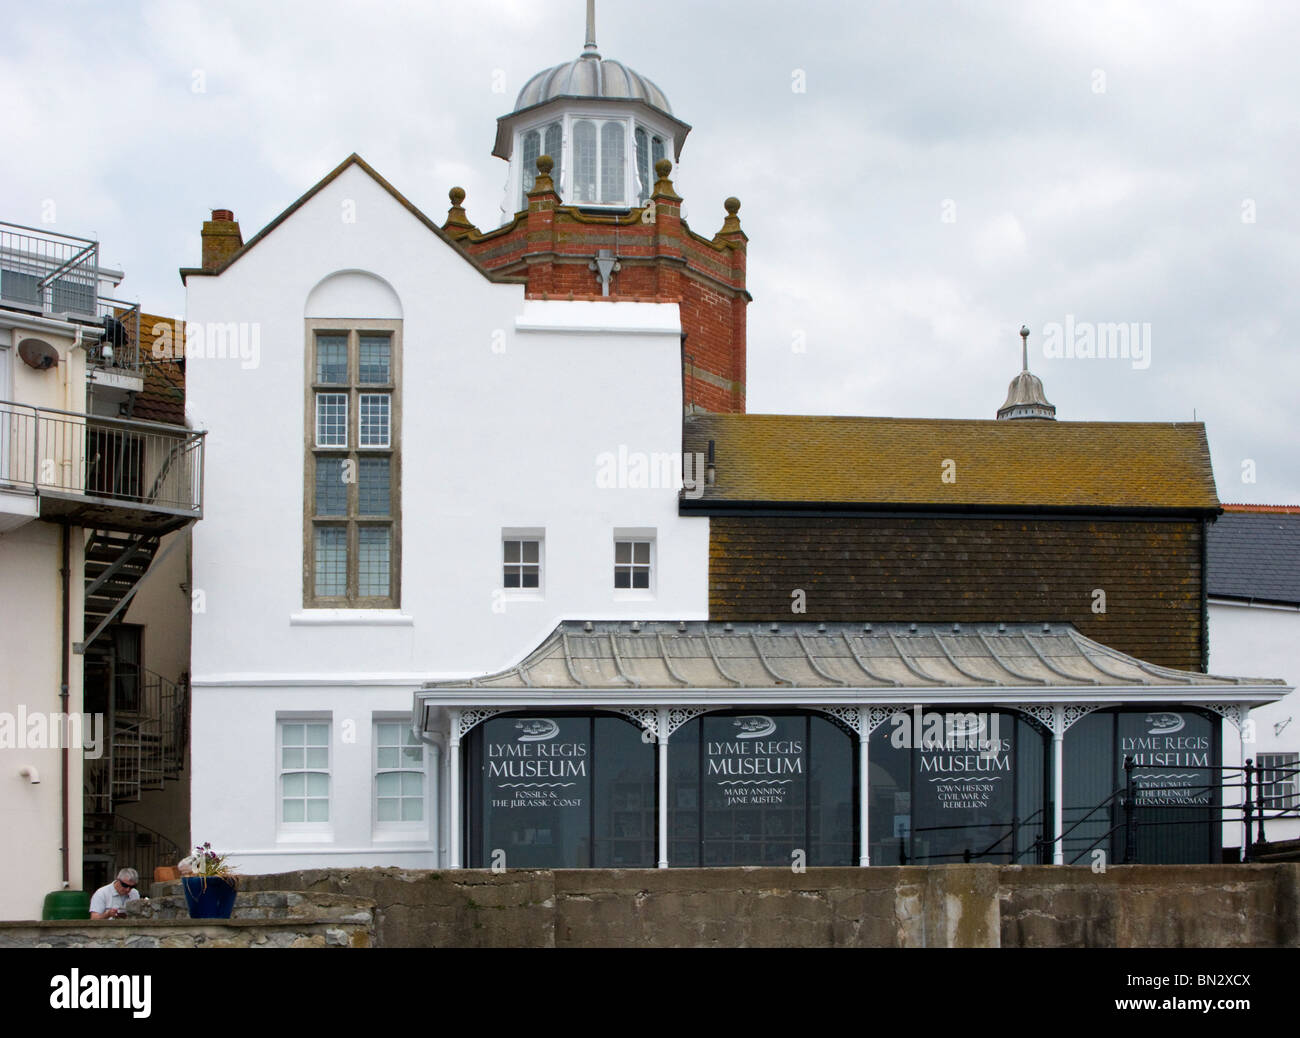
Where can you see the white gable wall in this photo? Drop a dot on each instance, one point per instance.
(506, 406)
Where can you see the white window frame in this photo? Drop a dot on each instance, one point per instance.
(399, 829)
(320, 395)
(628, 201)
(636, 536)
(309, 830)
(1284, 760)
(523, 534)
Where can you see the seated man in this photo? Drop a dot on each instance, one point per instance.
(108, 901)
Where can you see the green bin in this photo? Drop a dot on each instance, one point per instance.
(67, 904)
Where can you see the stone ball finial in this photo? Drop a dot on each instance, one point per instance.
(732, 205)
(457, 195)
(545, 164)
(662, 168)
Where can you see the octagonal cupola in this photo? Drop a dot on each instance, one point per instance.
(1025, 396)
(604, 125)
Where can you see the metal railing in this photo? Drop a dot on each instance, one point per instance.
(49, 272)
(119, 350)
(1266, 794)
(148, 727)
(44, 450)
(116, 843)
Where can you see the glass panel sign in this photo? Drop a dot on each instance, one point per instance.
(560, 792)
(537, 790)
(1174, 790)
(757, 789)
(964, 795)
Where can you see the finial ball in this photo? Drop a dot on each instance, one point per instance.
(662, 168)
(732, 205)
(545, 164)
(1024, 332)
(457, 195)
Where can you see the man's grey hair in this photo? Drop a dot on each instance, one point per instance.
(128, 876)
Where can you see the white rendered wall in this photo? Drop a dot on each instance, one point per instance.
(506, 407)
(1259, 641)
(31, 615)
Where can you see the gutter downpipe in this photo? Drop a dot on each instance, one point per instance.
(64, 677)
(435, 769)
(65, 644)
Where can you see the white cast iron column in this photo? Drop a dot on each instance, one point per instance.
(453, 789)
(864, 786)
(663, 786)
(1058, 784)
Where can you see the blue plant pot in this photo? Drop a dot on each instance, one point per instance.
(211, 898)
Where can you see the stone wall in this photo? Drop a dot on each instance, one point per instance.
(1190, 906)
(189, 933)
(949, 906)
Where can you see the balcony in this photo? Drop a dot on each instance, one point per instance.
(100, 473)
(58, 276)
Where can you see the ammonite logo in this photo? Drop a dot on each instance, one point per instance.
(538, 730)
(1165, 724)
(754, 727)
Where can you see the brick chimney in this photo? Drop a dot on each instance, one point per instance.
(221, 239)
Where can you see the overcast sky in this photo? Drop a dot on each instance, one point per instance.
(918, 179)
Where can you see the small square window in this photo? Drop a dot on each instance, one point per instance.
(633, 563)
(523, 564)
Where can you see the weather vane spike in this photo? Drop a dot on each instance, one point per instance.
(1024, 348)
(591, 26)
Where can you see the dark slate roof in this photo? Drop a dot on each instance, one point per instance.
(899, 462)
(1255, 555)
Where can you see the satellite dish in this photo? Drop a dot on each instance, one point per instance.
(37, 354)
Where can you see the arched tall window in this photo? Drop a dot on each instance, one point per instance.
(613, 163)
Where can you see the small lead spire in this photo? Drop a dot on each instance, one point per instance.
(1024, 347)
(590, 48)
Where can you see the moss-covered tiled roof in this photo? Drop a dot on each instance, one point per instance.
(905, 462)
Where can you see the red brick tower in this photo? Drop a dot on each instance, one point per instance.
(620, 234)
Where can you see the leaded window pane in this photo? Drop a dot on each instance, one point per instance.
(332, 360)
(374, 562)
(555, 149)
(331, 562)
(374, 491)
(532, 149)
(613, 163)
(376, 360)
(584, 161)
(331, 490)
(643, 164)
